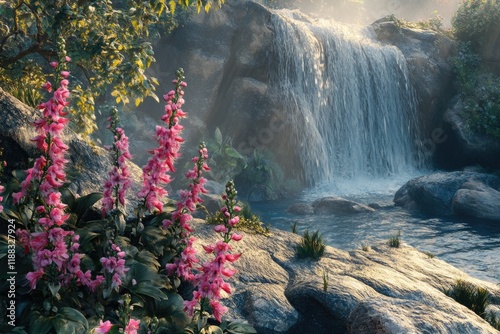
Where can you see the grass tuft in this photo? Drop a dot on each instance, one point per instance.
(395, 240)
(312, 246)
(473, 297)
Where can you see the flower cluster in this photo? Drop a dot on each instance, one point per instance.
(179, 226)
(168, 137)
(114, 267)
(55, 251)
(211, 280)
(119, 180)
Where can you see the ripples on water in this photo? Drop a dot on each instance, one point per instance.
(473, 247)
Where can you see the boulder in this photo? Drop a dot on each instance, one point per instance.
(433, 194)
(300, 209)
(477, 200)
(338, 205)
(384, 290)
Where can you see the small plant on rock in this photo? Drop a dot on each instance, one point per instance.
(473, 297)
(395, 240)
(312, 246)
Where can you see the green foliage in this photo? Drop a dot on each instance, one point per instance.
(473, 297)
(311, 246)
(225, 160)
(249, 222)
(395, 240)
(294, 228)
(473, 19)
(108, 42)
(433, 23)
(263, 179)
(480, 92)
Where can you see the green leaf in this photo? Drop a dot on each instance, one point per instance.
(68, 198)
(148, 258)
(41, 324)
(62, 325)
(85, 202)
(54, 288)
(74, 315)
(214, 330)
(147, 289)
(240, 327)
(230, 151)
(218, 136)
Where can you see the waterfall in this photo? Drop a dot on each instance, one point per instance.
(350, 101)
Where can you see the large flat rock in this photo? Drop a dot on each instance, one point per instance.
(382, 290)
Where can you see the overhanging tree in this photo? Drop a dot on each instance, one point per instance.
(109, 42)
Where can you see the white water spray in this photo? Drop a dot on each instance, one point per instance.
(350, 100)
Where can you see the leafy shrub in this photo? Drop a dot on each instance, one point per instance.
(473, 19)
(312, 246)
(248, 221)
(473, 297)
(395, 240)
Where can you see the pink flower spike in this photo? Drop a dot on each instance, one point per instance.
(65, 74)
(68, 59)
(54, 64)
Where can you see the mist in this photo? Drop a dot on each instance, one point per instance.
(367, 11)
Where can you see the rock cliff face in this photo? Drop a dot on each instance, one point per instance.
(427, 55)
(381, 290)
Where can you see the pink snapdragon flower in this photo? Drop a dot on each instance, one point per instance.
(132, 326)
(179, 226)
(113, 267)
(119, 178)
(53, 251)
(103, 328)
(169, 140)
(210, 280)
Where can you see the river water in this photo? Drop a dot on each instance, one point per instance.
(473, 247)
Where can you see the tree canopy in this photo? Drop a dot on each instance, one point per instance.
(109, 42)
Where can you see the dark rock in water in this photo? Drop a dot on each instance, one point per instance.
(477, 200)
(463, 147)
(338, 205)
(433, 194)
(300, 209)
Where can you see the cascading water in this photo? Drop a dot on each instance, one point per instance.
(350, 99)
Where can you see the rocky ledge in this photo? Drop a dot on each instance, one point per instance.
(378, 290)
